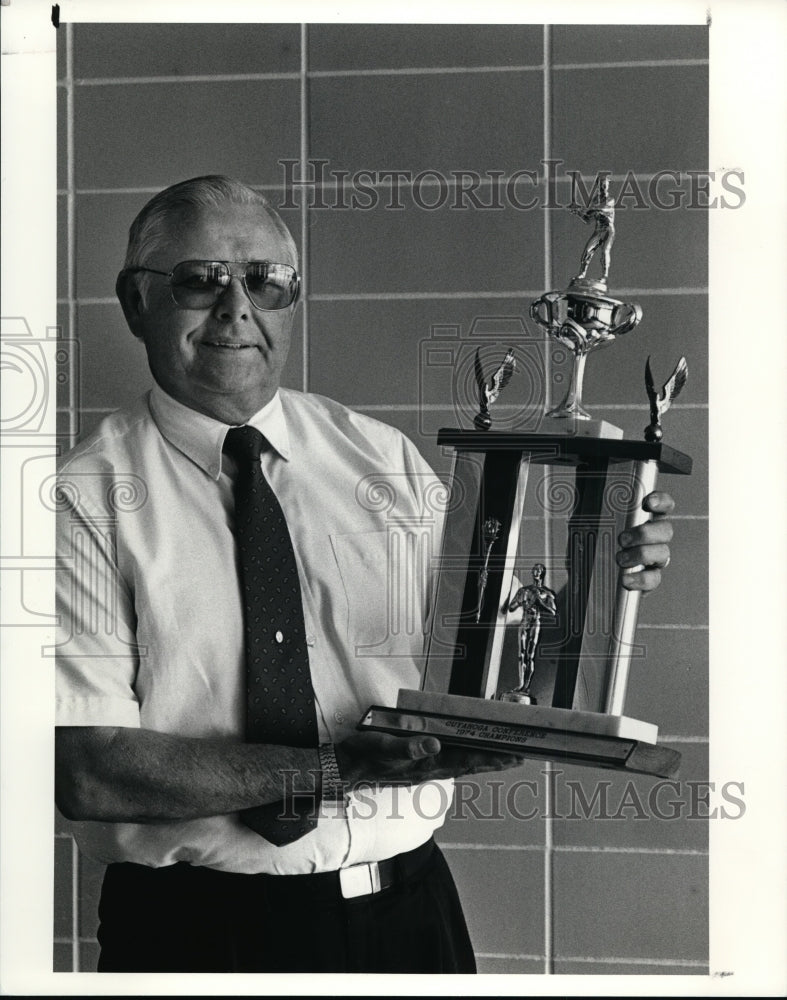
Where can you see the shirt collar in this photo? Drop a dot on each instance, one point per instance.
(201, 438)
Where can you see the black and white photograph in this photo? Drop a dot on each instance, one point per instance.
(364, 620)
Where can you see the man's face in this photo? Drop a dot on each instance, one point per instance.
(226, 360)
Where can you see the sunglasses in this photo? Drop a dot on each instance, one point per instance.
(198, 284)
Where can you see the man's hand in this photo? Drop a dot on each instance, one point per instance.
(647, 545)
(381, 759)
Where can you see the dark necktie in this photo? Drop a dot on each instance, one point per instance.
(280, 704)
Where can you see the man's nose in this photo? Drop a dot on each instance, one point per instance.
(233, 303)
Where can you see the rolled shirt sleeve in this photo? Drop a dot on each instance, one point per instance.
(97, 652)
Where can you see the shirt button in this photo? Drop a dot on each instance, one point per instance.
(279, 637)
(338, 717)
(309, 638)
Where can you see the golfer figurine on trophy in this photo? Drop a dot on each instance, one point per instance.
(585, 317)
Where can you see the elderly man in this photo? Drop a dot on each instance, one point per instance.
(220, 578)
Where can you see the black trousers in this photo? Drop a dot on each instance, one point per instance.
(188, 919)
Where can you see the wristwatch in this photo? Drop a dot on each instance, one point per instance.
(332, 784)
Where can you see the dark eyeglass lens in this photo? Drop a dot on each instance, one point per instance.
(206, 280)
(271, 286)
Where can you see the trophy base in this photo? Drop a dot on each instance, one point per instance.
(520, 697)
(589, 286)
(590, 739)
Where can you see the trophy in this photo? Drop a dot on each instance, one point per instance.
(575, 644)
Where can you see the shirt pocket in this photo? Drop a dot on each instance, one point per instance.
(382, 576)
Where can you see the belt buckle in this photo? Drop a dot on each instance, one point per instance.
(359, 880)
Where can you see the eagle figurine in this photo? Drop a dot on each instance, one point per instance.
(489, 391)
(661, 401)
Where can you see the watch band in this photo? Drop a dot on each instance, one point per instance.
(332, 784)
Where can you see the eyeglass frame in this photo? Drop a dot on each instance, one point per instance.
(233, 274)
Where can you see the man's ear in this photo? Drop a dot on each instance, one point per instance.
(130, 297)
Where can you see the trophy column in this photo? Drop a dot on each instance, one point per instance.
(489, 482)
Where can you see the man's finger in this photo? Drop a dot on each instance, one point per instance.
(649, 533)
(643, 555)
(658, 503)
(386, 746)
(422, 746)
(646, 580)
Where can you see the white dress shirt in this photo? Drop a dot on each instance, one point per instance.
(151, 614)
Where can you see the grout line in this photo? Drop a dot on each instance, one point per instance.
(71, 234)
(393, 71)
(304, 156)
(101, 81)
(502, 294)
(458, 846)
(549, 870)
(633, 64)
(667, 851)
(685, 963)
(392, 296)
(572, 849)
(502, 954)
(635, 406)
(424, 71)
(685, 628)
(547, 136)
(549, 907)
(97, 301)
(74, 907)
(684, 739)
(448, 181)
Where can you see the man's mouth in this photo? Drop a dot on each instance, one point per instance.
(227, 345)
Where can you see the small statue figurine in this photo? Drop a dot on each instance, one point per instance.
(661, 400)
(535, 600)
(491, 531)
(601, 211)
(489, 391)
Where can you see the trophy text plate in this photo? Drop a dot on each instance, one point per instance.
(525, 737)
(541, 716)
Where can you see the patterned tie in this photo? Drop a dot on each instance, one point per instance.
(280, 699)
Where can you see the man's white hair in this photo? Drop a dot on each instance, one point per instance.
(149, 230)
